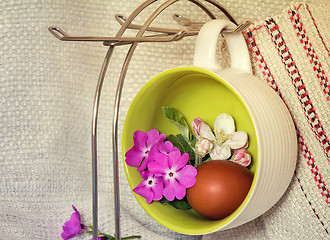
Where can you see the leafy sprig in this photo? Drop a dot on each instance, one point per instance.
(105, 236)
(186, 140)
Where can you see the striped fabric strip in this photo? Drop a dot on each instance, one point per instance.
(262, 63)
(310, 204)
(296, 79)
(317, 29)
(253, 47)
(314, 169)
(300, 88)
(310, 51)
(302, 93)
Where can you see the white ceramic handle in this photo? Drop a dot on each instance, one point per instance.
(206, 46)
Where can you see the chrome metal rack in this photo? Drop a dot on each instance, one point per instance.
(159, 34)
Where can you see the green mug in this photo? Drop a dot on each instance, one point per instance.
(205, 90)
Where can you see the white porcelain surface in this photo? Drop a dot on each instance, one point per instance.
(276, 135)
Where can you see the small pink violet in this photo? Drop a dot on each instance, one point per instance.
(138, 155)
(164, 170)
(150, 188)
(177, 175)
(167, 147)
(74, 226)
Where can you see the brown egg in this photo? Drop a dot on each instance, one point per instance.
(220, 188)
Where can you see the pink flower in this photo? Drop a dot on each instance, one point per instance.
(138, 155)
(201, 129)
(167, 147)
(177, 175)
(144, 174)
(224, 139)
(164, 148)
(195, 125)
(203, 146)
(242, 157)
(72, 227)
(150, 188)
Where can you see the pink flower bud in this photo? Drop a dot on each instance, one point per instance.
(242, 157)
(203, 146)
(195, 125)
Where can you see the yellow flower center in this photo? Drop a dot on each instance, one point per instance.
(221, 137)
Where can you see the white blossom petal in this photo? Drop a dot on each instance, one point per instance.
(237, 140)
(220, 152)
(206, 132)
(224, 122)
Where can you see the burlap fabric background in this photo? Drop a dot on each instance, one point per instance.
(47, 89)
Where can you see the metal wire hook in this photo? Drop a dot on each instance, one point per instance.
(61, 35)
(197, 25)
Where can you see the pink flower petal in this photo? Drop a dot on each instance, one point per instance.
(167, 147)
(158, 191)
(160, 165)
(73, 226)
(242, 157)
(195, 125)
(144, 192)
(203, 146)
(144, 174)
(154, 137)
(143, 165)
(150, 188)
(187, 176)
(173, 189)
(138, 155)
(178, 161)
(134, 157)
(66, 235)
(140, 139)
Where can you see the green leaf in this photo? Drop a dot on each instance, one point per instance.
(178, 204)
(108, 236)
(187, 147)
(178, 119)
(180, 142)
(176, 142)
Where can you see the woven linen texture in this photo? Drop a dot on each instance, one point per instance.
(290, 52)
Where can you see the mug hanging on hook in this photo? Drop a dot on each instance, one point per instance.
(204, 90)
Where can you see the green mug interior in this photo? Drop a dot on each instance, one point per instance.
(195, 92)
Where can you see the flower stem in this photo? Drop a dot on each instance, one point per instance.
(200, 159)
(131, 237)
